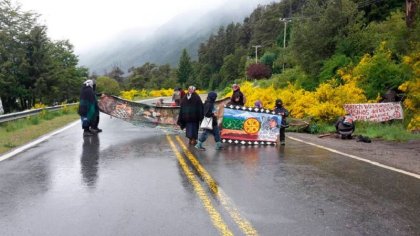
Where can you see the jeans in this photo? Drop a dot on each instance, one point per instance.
(206, 132)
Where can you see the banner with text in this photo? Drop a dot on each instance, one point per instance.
(376, 112)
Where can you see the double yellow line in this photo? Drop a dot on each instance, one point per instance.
(243, 224)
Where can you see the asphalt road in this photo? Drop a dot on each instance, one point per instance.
(130, 180)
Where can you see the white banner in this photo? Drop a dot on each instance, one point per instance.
(376, 112)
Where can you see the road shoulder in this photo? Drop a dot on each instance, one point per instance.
(401, 155)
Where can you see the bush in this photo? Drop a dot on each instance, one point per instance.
(258, 71)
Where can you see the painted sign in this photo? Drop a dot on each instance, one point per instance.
(376, 112)
(246, 125)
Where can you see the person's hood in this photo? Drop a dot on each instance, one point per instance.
(212, 96)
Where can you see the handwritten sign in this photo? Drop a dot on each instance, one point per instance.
(376, 112)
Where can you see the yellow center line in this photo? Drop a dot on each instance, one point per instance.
(227, 203)
(214, 215)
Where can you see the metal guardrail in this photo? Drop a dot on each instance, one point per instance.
(23, 114)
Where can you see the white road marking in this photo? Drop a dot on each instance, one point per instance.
(360, 159)
(37, 141)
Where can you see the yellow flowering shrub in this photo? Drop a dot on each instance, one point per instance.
(129, 95)
(325, 103)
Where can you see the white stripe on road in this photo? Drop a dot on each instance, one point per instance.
(37, 141)
(360, 159)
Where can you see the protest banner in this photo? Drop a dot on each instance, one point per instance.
(250, 126)
(375, 112)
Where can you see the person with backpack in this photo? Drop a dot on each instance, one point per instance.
(209, 110)
(345, 126)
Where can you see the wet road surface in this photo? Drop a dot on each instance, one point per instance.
(131, 180)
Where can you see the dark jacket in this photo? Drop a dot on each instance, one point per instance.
(88, 103)
(284, 111)
(237, 94)
(341, 127)
(209, 108)
(191, 110)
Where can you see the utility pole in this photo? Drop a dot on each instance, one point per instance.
(256, 53)
(285, 20)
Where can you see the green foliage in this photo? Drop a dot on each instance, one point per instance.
(107, 85)
(380, 72)
(185, 70)
(315, 36)
(388, 131)
(33, 68)
(330, 67)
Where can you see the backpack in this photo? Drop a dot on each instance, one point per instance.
(348, 120)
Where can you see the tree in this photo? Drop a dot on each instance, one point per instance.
(107, 85)
(184, 68)
(314, 38)
(258, 71)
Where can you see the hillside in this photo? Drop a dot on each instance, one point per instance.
(166, 43)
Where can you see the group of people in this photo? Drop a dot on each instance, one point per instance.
(192, 112)
(89, 109)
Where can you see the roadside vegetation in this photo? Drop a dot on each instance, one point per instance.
(314, 55)
(18, 132)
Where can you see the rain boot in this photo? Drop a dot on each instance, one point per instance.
(219, 146)
(199, 146)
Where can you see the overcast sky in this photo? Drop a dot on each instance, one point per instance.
(87, 23)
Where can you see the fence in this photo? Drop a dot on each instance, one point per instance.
(23, 114)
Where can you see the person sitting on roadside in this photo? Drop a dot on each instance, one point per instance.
(345, 126)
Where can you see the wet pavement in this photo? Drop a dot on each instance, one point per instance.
(130, 180)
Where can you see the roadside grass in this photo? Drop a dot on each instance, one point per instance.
(16, 133)
(391, 131)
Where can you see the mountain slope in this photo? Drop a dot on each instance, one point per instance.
(167, 42)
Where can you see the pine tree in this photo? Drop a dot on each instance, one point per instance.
(184, 71)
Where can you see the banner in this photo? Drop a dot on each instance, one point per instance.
(376, 112)
(253, 126)
(143, 114)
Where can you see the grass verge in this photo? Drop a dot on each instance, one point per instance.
(391, 131)
(16, 133)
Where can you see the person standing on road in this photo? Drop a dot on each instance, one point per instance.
(87, 107)
(279, 109)
(210, 111)
(191, 114)
(94, 126)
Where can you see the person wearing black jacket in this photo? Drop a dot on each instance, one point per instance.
(238, 98)
(279, 109)
(210, 111)
(87, 107)
(345, 126)
(191, 114)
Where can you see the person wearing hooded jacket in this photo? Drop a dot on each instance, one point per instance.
(210, 111)
(87, 107)
(279, 109)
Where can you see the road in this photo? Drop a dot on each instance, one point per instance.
(130, 180)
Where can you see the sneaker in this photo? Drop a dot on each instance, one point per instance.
(282, 143)
(199, 147)
(87, 133)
